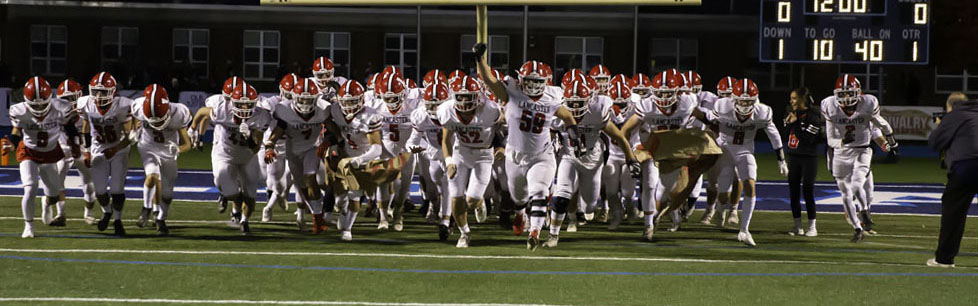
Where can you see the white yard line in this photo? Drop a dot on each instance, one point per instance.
(249, 302)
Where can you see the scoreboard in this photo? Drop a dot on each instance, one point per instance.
(845, 31)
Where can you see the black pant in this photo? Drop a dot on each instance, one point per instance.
(801, 175)
(960, 190)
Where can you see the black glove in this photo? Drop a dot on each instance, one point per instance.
(635, 168)
(574, 139)
(480, 50)
(891, 142)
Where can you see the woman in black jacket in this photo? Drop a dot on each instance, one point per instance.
(803, 123)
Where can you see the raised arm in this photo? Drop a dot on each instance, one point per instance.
(485, 73)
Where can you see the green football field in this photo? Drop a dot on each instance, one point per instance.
(206, 261)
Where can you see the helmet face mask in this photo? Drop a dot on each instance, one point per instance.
(696, 89)
(603, 83)
(103, 96)
(665, 97)
(533, 86)
(158, 123)
(323, 76)
(466, 101)
(304, 104)
(285, 94)
(744, 106)
(392, 101)
(431, 106)
(847, 97)
(38, 107)
(577, 106)
(351, 106)
(243, 108)
(72, 97)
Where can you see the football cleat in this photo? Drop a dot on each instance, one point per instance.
(119, 230)
(518, 224)
(708, 217)
(615, 220)
(811, 232)
(143, 218)
(266, 214)
(797, 231)
(571, 223)
(867, 221)
(533, 241)
(551, 241)
(398, 223)
(319, 224)
(733, 218)
(746, 238)
(857, 236)
(28, 233)
(649, 231)
(300, 221)
(443, 232)
(480, 212)
(104, 222)
(46, 213)
(222, 204)
(382, 225)
(245, 229)
(587, 217)
(88, 217)
(161, 229)
(933, 263)
(463, 241)
(59, 221)
(601, 215)
(347, 236)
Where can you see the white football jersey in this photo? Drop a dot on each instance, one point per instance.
(160, 141)
(619, 117)
(529, 121)
(69, 109)
(269, 105)
(107, 126)
(678, 116)
(302, 132)
(355, 131)
(328, 93)
(706, 100)
(589, 128)
(227, 133)
(39, 134)
(477, 132)
(427, 132)
(737, 134)
(852, 129)
(213, 100)
(396, 128)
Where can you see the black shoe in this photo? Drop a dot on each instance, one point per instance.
(505, 221)
(235, 220)
(222, 204)
(442, 232)
(119, 230)
(245, 229)
(867, 220)
(58, 221)
(104, 223)
(858, 236)
(161, 229)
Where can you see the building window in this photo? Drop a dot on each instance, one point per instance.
(401, 50)
(948, 81)
(869, 77)
(261, 56)
(336, 47)
(119, 44)
(498, 50)
(190, 46)
(768, 76)
(49, 45)
(667, 53)
(576, 52)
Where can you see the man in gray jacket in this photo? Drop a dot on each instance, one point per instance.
(957, 136)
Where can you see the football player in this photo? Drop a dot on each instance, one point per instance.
(109, 118)
(300, 122)
(278, 177)
(739, 117)
(359, 128)
(199, 125)
(601, 76)
(849, 114)
(469, 122)
(395, 113)
(426, 143)
(328, 82)
(36, 129)
(238, 126)
(68, 93)
(531, 104)
(581, 170)
(617, 180)
(724, 90)
(162, 136)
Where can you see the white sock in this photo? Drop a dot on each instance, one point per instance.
(556, 220)
(88, 212)
(149, 194)
(649, 219)
(445, 221)
(61, 207)
(464, 229)
(29, 225)
(164, 210)
(536, 222)
(748, 211)
(811, 224)
(351, 217)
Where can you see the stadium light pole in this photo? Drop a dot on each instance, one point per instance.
(635, 42)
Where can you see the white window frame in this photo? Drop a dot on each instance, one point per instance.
(680, 52)
(332, 48)
(190, 32)
(965, 77)
(401, 50)
(47, 44)
(465, 51)
(118, 43)
(584, 51)
(261, 54)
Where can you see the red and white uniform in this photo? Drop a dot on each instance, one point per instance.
(107, 131)
(158, 148)
(69, 161)
(736, 138)
(277, 174)
(530, 161)
(472, 151)
(235, 164)
(354, 133)
(655, 118)
(427, 134)
(583, 174)
(39, 151)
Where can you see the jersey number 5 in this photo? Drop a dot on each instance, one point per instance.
(532, 122)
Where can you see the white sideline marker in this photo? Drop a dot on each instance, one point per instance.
(248, 302)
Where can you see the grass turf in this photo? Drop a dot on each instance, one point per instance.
(694, 266)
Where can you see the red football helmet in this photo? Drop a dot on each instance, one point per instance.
(410, 83)
(745, 96)
(455, 75)
(37, 95)
(665, 87)
(69, 90)
(621, 96)
(641, 85)
(435, 95)
(391, 90)
(696, 81)
(102, 87)
(156, 106)
(350, 97)
(570, 76)
(433, 76)
(466, 91)
(322, 70)
(847, 90)
(577, 98)
(619, 78)
(230, 84)
(286, 84)
(725, 86)
(305, 94)
(602, 76)
(244, 99)
(373, 80)
(391, 69)
(534, 78)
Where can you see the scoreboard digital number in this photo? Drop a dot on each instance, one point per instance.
(845, 31)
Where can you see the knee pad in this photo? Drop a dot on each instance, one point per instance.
(103, 199)
(560, 204)
(541, 208)
(118, 200)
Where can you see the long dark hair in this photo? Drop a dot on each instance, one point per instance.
(805, 95)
